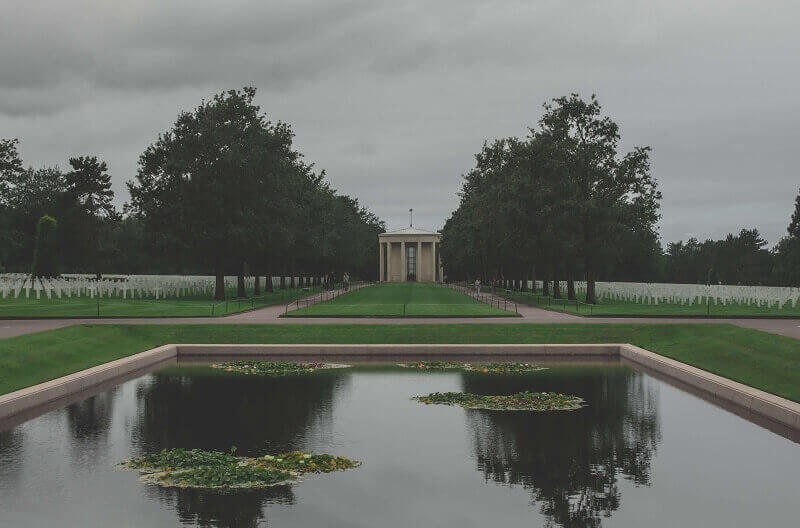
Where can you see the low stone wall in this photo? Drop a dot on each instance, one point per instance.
(754, 401)
(43, 393)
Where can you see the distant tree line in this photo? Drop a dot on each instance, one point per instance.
(224, 191)
(563, 204)
(743, 258)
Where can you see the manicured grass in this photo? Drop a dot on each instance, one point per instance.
(118, 307)
(760, 359)
(617, 307)
(408, 299)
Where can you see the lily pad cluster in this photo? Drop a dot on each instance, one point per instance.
(274, 368)
(196, 468)
(488, 368)
(520, 401)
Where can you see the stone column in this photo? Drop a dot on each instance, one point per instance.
(433, 261)
(417, 257)
(403, 262)
(380, 261)
(389, 261)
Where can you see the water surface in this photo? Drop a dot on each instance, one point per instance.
(642, 453)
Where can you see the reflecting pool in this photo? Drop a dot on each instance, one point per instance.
(641, 453)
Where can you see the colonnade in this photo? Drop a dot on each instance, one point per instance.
(385, 268)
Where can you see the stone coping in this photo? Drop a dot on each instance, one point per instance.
(754, 401)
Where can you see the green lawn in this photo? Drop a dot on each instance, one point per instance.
(118, 307)
(618, 308)
(760, 359)
(407, 299)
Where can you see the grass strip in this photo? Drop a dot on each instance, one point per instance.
(407, 299)
(760, 359)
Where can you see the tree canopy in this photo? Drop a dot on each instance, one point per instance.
(223, 190)
(225, 187)
(562, 202)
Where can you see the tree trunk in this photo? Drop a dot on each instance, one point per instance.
(570, 286)
(241, 291)
(283, 281)
(257, 285)
(292, 283)
(556, 284)
(545, 286)
(524, 281)
(219, 272)
(533, 279)
(268, 286)
(590, 295)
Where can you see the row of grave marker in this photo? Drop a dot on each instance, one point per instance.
(19, 285)
(689, 294)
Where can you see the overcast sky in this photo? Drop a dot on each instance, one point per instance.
(393, 99)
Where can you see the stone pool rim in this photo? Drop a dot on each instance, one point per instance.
(760, 403)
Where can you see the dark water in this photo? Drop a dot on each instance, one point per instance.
(643, 453)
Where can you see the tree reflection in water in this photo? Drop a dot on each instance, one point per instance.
(241, 509)
(90, 419)
(12, 442)
(569, 461)
(195, 407)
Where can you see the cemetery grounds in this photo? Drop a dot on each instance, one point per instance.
(199, 305)
(609, 307)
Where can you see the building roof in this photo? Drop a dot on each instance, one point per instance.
(411, 231)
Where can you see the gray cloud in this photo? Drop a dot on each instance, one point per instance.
(394, 99)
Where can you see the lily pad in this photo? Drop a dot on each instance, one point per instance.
(520, 401)
(275, 368)
(195, 468)
(486, 368)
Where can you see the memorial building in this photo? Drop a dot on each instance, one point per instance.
(409, 254)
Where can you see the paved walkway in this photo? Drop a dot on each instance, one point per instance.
(270, 315)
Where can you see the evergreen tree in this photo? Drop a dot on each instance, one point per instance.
(45, 261)
(89, 200)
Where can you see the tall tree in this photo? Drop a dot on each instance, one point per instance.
(794, 224)
(787, 251)
(25, 196)
(10, 163)
(10, 167)
(606, 187)
(45, 259)
(561, 203)
(201, 186)
(88, 191)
